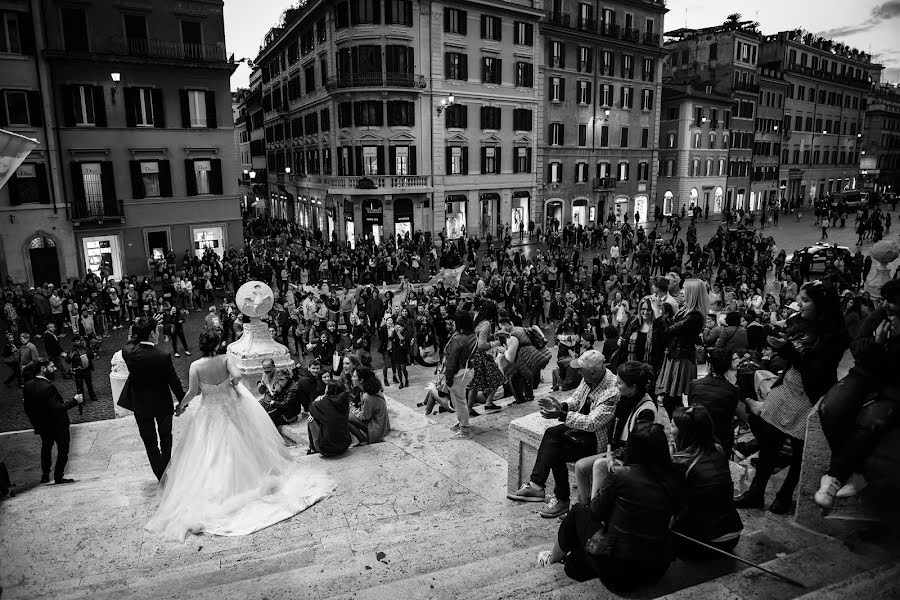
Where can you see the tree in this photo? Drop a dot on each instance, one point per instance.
(733, 19)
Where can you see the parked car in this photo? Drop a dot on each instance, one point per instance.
(822, 254)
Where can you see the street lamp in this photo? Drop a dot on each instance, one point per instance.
(445, 102)
(116, 77)
(252, 175)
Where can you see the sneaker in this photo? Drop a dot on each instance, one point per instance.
(827, 490)
(492, 407)
(187, 353)
(527, 493)
(543, 558)
(554, 509)
(454, 427)
(177, 355)
(854, 485)
(462, 434)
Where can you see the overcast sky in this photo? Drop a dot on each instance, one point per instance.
(869, 25)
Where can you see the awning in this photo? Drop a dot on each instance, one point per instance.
(489, 196)
(456, 198)
(13, 150)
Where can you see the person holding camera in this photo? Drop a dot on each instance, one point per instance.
(49, 415)
(81, 360)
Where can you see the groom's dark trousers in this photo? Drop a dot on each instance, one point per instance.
(148, 392)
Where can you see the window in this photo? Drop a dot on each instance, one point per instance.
(582, 135)
(627, 66)
(201, 175)
(558, 55)
(524, 74)
(522, 163)
(323, 71)
(370, 160)
(643, 171)
(365, 12)
(83, 104)
(17, 108)
(554, 172)
(309, 79)
(584, 92)
(149, 174)
(624, 138)
(585, 60)
(523, 33)
(321, 30)
(401, 165)
(490, 28)
(645, 138)
(345, 117)
(456, 66)
(627, 99)
(557, 134)
(325, 118)
(197, 107)
(608, 63)
(397, 12)
(10, 41)
(623, 171)
(455, 21)
(490, 117)
(581, 172)
(457, 116)
(606, 95)
(368, 114)
(696, 140)
(649, 71)
(457, 158)
(670, 168)
(708, 171)
(695, 167)
(490, 160)
(714, 51)
(401, 113)
(490, 69)
(557, 89)
(522, 119)
(646, 99)
(604, 169)
(92, 180)
(670, 142)
(74, 27)
(604, 136)
(721, 170)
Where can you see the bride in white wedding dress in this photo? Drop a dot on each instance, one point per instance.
(231, 473)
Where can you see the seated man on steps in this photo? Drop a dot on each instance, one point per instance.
(585, 418)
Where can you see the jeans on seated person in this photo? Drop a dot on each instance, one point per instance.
(359, 429)
(555, 451)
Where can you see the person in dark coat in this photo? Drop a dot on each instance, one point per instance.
(329, 425)
(152, 381)
(49, 415)
(309, 385)
(54, 350)
(718, 396)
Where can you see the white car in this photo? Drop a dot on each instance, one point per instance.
(821, 254)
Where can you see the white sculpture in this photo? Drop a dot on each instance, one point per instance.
(118, 375)
(255, 299)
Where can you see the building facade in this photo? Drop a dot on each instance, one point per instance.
(828, 87)
(693, 152)
(138, 108)
(879, 159)
(601, 76)
(765, 184)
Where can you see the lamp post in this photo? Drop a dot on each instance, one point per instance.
(116, 77)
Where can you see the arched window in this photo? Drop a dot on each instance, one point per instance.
(41, 242)
(694, 195)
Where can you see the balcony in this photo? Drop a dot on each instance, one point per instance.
(828, 76)
(632, 35)
(745, 86)
(604, 183)
(98, 210)
(401, 80)
(558, 18)
(651, 39)
(382, 183)
(156, 48)
(586, 24)
(609, 30)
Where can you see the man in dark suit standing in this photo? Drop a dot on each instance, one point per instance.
(148, 392)
(55, 351)
(49, 415)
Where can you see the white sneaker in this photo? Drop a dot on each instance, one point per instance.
(827, 491)
(187, 353)
(177, 355)
(543, 558)
(462, 434)
(854, 485)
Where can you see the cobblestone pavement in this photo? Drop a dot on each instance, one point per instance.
(790, 234)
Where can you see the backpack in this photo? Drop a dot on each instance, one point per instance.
(537, 337)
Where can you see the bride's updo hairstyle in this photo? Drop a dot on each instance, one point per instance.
(209, 342)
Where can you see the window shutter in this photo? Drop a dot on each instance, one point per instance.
(190, 177)
(159, 108)
(13, 186)
(185, 109)
(446, 65)
(388, 12)
(465, 160)
(392, 158)
(3, 108)
(463, 17)
(464, 112)
(498, 30)
(130, 106)
(99, 106)
(360, 167)
(110, 202)
(377, 6)
(464, 70)
(211, 110)
(26, 33)
(137, 182)
(340, 163)
(497, 159)
(549, 172)
(449, 160)
(528, 160)
(652, 105)
(483, 69)
(379, 156)
(357, 113)
(499, 70)
(483, 160)
(409, 13)
(40, 170)
(562, 134)
(215, 178)
(446, 20)
(77, 184)
(484, 24)
(165, 179)
(412, 161)
(562, 89)
(484, 117)
(68, 105)
(529, 34)
(35, 110)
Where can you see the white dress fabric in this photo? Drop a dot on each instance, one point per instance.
(231, 473)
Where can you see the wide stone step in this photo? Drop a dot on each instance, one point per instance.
(882, 582)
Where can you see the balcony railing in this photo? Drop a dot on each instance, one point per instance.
(651, 39)
(379, 182)
(745, 86)
(403, 80)
(828, 76)
(98, 209)
(156, 48)
(631, 35)
(604, 183)
(558, 18)
(610, 30)
(587, 24)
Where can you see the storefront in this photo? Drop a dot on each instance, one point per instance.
(621, 208)
(208, 236)
(717, 200)
(668, 203)
(328, 226)
(455, 211)
(403, 217)
(579, 213)
(642, 209)
(490, 212)
(521, 210)
(158, 243)
(554, 215)
(349, 225)
(694, 199)
(373, 219)
(103, 251)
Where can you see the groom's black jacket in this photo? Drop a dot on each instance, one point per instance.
(151, 376)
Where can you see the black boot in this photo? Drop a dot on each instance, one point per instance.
(752, 498)
(781, 505)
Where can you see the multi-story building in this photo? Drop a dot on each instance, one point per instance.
(768, 137)
(242, 146)
(138, 113)
(601, 85)
(880, 148)
(827, 94)
(367, 108)
(36, 239)
(693, 149)
(726, 57)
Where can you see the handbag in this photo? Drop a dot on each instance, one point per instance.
(600, 544)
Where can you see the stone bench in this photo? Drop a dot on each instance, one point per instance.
(524, 438)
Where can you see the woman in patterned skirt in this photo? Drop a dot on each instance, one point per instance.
(488, 376)
(679, 368)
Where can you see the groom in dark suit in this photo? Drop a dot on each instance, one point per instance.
(148, 392)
